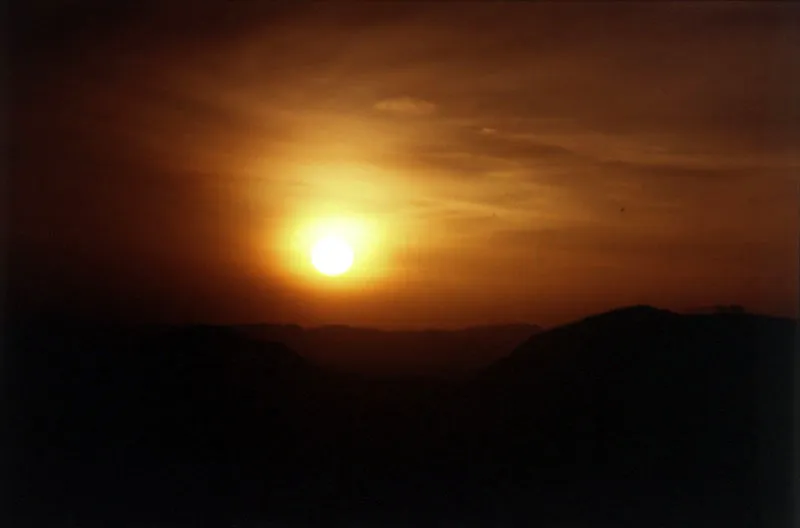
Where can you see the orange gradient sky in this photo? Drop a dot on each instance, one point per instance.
(499, 162)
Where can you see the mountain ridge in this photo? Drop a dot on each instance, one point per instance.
(371, 350)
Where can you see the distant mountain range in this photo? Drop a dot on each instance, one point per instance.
(635, 417)
(422, 352)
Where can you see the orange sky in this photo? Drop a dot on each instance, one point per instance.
(505, 162)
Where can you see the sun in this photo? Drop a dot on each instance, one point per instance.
(332, 256)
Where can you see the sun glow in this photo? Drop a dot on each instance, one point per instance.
(332, 256)
(349, 248)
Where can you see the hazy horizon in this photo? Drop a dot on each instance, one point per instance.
(322, 325)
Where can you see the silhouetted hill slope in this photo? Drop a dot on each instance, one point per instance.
(107, 417)
(648, 400)
(421, 352)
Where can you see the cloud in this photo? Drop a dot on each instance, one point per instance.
(467, 152)
(631, 244)
(406, 106)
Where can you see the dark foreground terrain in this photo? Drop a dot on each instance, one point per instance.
(637, 417)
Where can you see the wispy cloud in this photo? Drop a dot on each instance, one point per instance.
(406, 106)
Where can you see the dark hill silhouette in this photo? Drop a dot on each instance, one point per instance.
(679, 411)
(634, 417)
(108, 417)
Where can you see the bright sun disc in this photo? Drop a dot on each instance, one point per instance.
(332, 256)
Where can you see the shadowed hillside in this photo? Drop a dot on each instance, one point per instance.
(121, 421)
(628, 418)
(671, 415)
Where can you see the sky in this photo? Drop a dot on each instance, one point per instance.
(492, 162)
